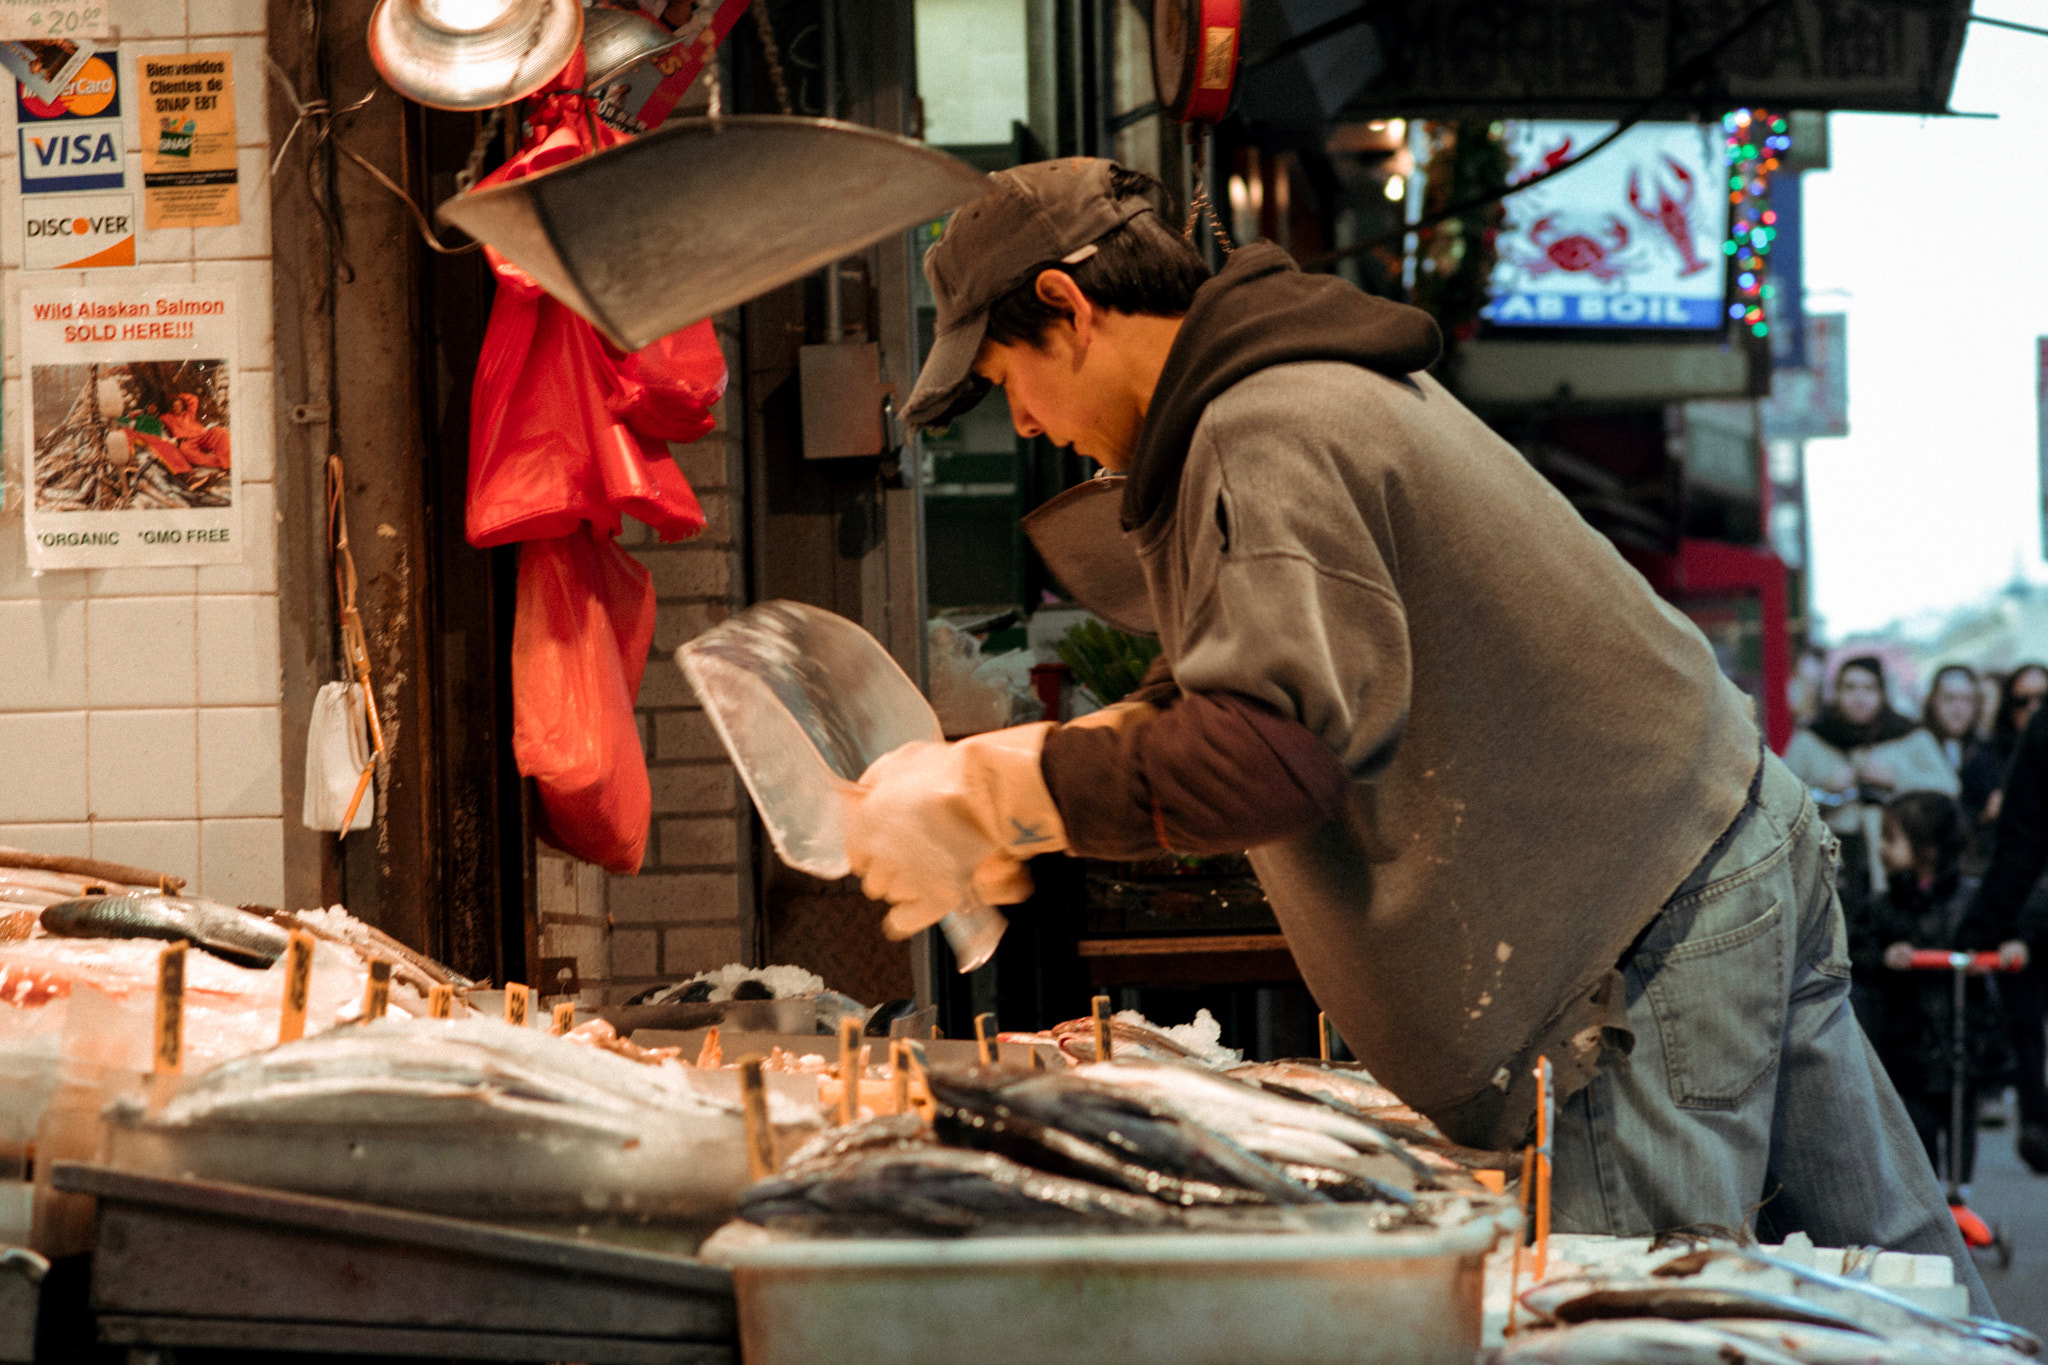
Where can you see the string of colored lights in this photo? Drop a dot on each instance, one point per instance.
(1756, 139)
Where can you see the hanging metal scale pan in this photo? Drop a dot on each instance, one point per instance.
(702, 215)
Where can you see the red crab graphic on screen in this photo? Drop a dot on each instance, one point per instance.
(1576, 252)
(1673, 213)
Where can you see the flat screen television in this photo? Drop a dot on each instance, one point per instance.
(1628, 242)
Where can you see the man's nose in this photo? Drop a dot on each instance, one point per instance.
(1021, 418)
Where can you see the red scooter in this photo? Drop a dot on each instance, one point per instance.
(1976, 1232)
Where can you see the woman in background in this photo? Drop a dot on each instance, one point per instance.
(1856, 757)
(2018, 700)
(1951, 716)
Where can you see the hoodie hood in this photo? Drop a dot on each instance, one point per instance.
(1260, 310)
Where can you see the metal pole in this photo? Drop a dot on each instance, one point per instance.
(828, 57)
(1958, 1052)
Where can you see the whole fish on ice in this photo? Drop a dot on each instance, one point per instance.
(1071, 1125)
(928, 1190)
(229, 934)
(1637, 1341)
(1279, 1128)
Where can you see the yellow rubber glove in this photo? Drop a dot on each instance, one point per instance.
(930, 824)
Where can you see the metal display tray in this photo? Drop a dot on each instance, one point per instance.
(188, 1263)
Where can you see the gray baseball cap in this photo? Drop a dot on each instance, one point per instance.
(1034, 216)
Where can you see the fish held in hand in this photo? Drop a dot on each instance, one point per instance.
(229, 934)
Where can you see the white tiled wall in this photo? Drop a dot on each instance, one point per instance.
(139, 708)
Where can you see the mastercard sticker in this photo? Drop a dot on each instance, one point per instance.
(77, 231)
(93, 92)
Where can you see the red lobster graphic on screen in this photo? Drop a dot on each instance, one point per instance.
(1673, 215)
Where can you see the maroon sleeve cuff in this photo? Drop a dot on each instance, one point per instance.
(1209, 773)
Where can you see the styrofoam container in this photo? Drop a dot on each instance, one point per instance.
(1363, 1298)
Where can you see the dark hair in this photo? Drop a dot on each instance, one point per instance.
(2004, 732)
(1870, 664)
(1142, 267)
(1932, 823)
(1934, 686)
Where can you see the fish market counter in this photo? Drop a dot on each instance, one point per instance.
(1367, 1296)
(189, 1263)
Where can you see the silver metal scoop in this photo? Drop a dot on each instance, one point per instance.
(703, 214)
(805, 702)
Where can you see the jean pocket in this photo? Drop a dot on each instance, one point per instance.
(1720, 1004)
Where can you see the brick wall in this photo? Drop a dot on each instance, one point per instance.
(691, 907)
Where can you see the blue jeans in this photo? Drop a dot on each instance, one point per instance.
(1751, 1097)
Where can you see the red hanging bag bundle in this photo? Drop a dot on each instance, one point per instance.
(580, 639)
(563, 428)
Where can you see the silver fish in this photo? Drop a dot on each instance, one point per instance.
(229, 934)
(1274, 1126)
(1813, 1345)
(941, 1191)
(1636, 1341)
(1070, 1125)
(1587, 1301)
(1872, 1306)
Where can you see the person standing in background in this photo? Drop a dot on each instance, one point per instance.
(1951, 715)
(1923, 905)
(2010, 916)
(1855, 758)
(2018, 701)
(1990, 690)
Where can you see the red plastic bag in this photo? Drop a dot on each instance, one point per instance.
(666, 388)
(564, 429)
(580, 638)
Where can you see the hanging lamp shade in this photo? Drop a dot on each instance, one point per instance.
(472, 54)
(702, 215)
(617, 40)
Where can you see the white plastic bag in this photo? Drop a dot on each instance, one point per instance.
(338, 758)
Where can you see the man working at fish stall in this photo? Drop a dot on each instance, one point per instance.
(1502, 801)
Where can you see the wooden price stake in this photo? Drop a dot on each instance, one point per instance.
(1323, 1033)
(754, 1113)
(1098, 1010)
(298, 984)
(1523, 1193)
(849, 1076)
(899, 1072)
(515, 1004)
(1546, 1125)
(984, 1039)
(169, 1056)
(377, 990)
(564, 1018)
(440, 1002)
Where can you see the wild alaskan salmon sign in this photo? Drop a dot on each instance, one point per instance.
(129, 424)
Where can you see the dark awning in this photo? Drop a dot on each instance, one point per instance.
(1607, 58)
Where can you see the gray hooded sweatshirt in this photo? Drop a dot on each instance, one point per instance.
(1539, 749)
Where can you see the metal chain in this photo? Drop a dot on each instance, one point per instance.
(772, 51)
(472, 169)
(1199, 205)
(712, 87)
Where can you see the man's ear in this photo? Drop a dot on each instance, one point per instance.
(1057, 288)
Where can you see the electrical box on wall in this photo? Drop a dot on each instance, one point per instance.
(843, 398)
